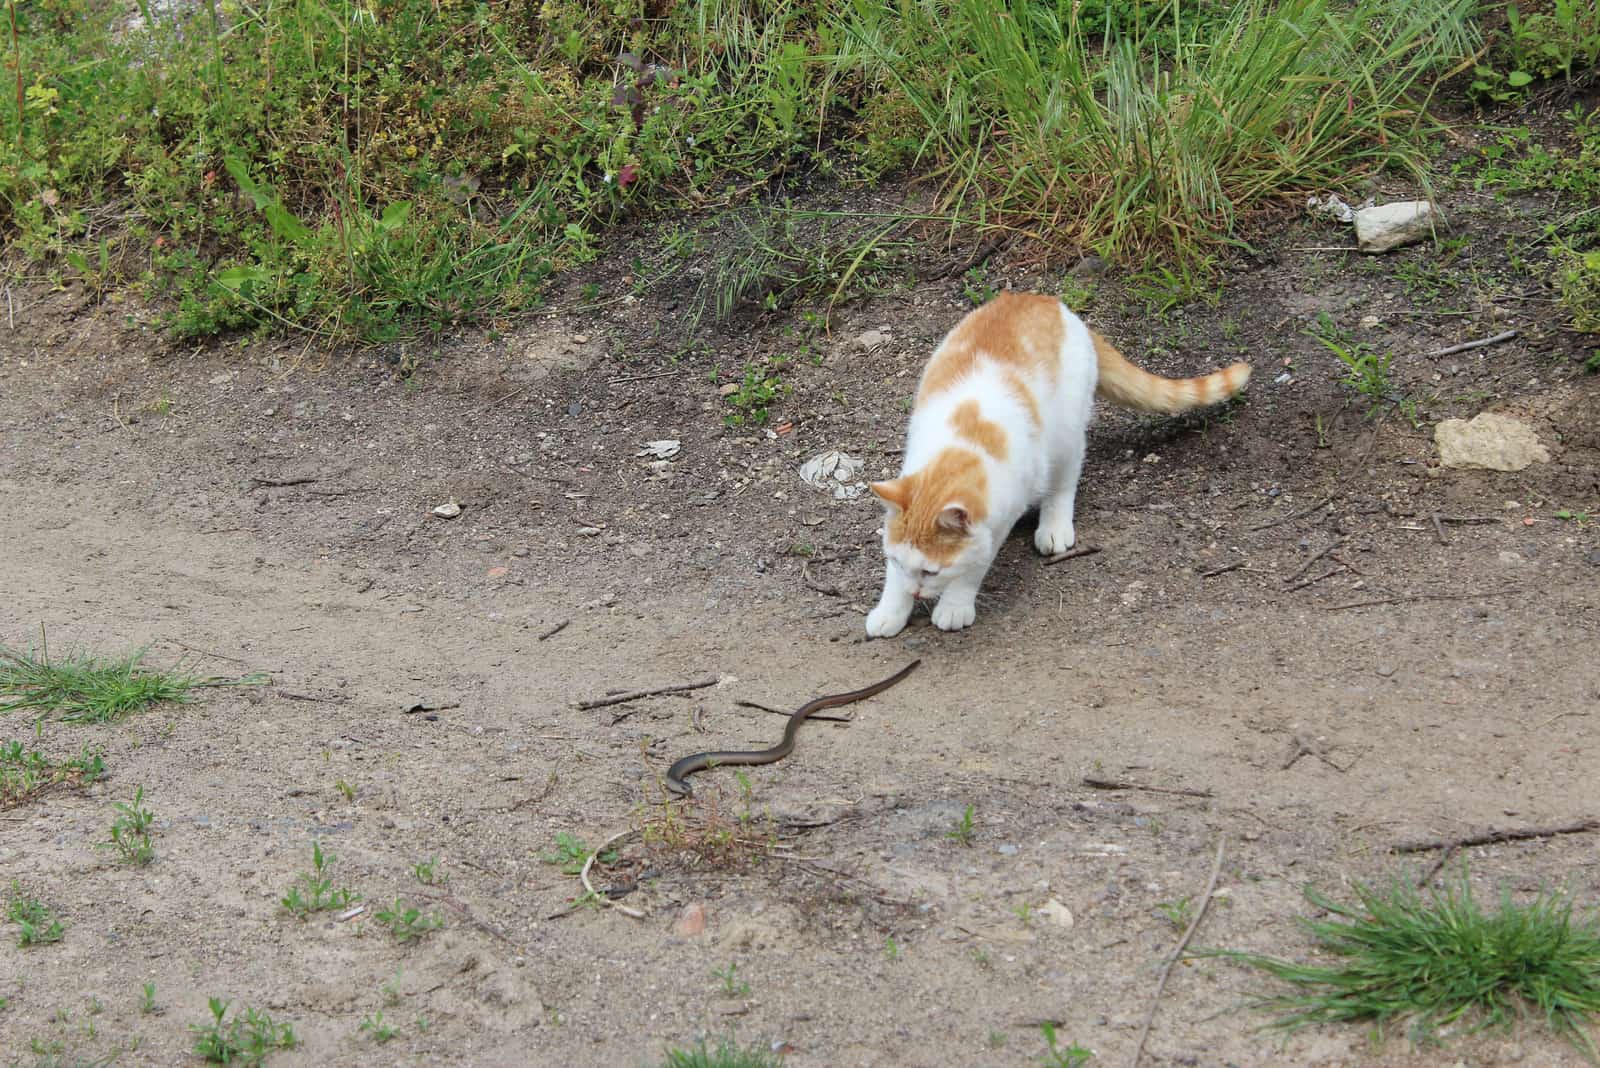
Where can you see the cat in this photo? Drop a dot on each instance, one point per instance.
(1000, 424)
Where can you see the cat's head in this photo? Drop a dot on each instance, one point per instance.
(934, 529)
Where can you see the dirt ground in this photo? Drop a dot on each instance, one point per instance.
(265, 507)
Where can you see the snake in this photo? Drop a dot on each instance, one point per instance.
(678, 774)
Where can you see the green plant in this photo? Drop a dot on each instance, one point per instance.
(1178, 913)
(346, 790)
(130, 830)
(406, 923)
(27, 773)
(1580, 518)
(977, 287)
(727, 1054)
(572, 853)
(962, 830)
(754, 397)
(732, 985)
(1440, 960)
(1074, 1056)
(313, 891)
(244, 1039)
(1365, 371)
(89, 689)
(376, 1029)
(891, 948)
(147, 1004)
(36, 925)
(428, 873)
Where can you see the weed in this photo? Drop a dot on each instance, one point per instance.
(754, 397)
(997, 1039)
(1178, 913)
(572, 853)
(891, 948)
(727, 1054)
(1365, 371)
(428, 873)
(1077, 293)
(245, 1039)
(36, 925)
(1440, 960)
(348, 791)
(406, 923)
(89, 689)
(1074, 1056)
(1580, 518)
(962, 829)
(376, 1029)
(977, 287)
(732, 985)
(130, 830)
(147, 1003)
(1024, 913)
(313, 891)
(27, 773)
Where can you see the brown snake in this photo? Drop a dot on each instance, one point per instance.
(678, 774)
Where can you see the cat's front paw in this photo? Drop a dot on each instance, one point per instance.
(1050, 540)
(885, 621)
(948, 616)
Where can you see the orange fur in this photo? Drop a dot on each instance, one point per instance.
(970, 425)
(955, 476)
(1015, 330)
(1128, 386)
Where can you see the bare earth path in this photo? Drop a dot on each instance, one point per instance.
(251, 515)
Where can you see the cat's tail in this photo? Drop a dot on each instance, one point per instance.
(1128, 386)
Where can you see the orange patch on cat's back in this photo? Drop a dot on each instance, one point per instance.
(970, 425)
(1022, 332)
(955, 476)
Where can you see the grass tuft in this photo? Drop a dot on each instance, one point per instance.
(36, 925)
(88, 689)
(27, 773)
(245, 1039)
(728, 1054)
(1440, 960)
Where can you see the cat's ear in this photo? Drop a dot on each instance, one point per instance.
(955, 519)
(896, 493)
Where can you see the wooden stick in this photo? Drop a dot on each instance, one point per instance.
(1465, 345)
(1303, 583)
(1324, 551)
(601, 702)
(1438, 529)
(1298, 515)
(274, 482)
(583, 876)
(781, 712)
(1223, 570)
(1467, 520)
(1113, 784)
(1407, 598)
(557, 629)
(1177, 951)
(1072, 554)
(1515, 834)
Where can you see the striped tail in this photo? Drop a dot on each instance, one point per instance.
(1128, 386)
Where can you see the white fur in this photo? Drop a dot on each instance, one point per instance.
(1041, 468)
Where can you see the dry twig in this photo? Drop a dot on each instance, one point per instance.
(583, 876)
(1324, 551)
(1177, 951)
(557, 629)
(1113, 784)
(1451, 350)
(1515, 834)
(601, 702)
(1072, 554)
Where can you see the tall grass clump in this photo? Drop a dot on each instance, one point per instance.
(1442, 961)
(1155, 133)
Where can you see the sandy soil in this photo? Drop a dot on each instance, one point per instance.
(266, 508)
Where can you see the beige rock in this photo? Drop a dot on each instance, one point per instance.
(1495, 442)
(691, 921)
(1389, 226)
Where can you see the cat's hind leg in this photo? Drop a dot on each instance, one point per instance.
(1056, 533)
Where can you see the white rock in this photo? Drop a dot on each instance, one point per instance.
(870, 340)
(835, 472)
(1488, 440)
(448, 511)
(1057, 913)
(1389, 226)
(665, 449)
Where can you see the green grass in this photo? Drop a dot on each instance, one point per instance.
(1054, 1056)
(571, 852)
(246, 1039)
(407, 923)
(380, 171)
(81, 687)
(36, 925)
(1437, 961)
(962, 829)
(727, 1054)
(26, 773)
(1159, 136)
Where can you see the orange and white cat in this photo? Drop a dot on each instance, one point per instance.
(1000, 425)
